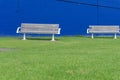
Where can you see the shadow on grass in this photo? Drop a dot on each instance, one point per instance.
(102, 37)
(42, 39)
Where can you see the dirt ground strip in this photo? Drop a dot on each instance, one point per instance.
(5, 49)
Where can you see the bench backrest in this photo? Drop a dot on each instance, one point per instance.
(39, 28)
(103, 29)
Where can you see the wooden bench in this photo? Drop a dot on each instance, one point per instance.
(29, 28)
(103, 29)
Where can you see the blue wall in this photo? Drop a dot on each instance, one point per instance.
(73, 19)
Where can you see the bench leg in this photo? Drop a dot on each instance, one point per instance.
(53, 37)
(24, 36)
(92, 36)
(115, 36)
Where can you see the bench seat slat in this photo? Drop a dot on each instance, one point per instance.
(41, 32)
(40, 25)
(40, 28)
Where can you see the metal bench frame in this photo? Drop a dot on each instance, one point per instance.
(105, 29)
(25, 29)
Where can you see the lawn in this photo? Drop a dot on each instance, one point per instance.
(68, 58)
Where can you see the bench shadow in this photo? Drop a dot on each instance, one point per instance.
(104, 37)
(42, 39)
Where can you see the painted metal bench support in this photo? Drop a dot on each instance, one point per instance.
(24, 36)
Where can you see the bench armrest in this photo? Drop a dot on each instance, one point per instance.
(18, 30)
(59, 30)
(88, 30)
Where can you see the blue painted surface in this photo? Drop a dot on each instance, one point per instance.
(73, 19)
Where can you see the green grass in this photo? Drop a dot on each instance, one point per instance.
(68, 58)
